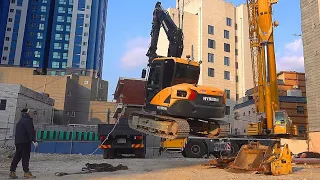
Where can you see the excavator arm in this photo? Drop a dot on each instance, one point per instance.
(174, 34)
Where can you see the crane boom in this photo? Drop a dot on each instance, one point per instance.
(261, 28)
(174, 34)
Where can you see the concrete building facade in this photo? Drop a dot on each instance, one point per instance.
(14, 98)
(216, 33)
(311, 38)
(72, 93)
(57, 36)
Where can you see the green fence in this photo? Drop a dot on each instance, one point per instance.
(47, 135)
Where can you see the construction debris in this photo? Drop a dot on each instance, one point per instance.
(222, 163)
(90, 168)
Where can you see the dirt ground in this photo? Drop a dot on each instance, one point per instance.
(44, 166)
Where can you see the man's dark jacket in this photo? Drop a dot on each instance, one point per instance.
(24, 130)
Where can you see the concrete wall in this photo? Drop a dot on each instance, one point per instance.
(18, 98)
(311, 39)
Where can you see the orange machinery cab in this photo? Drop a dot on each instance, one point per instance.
(172, 89)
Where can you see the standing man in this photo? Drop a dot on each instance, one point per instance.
(24, 136)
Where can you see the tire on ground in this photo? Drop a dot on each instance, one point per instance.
(195, 149)
(108, 154)
(139, 153)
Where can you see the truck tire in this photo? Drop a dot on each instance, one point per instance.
(234, 150)
(139, 153)
(195, 149)
(108, 153)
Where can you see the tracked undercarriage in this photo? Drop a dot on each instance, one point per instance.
(175, 128)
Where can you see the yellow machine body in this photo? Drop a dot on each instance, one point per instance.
(275, 160)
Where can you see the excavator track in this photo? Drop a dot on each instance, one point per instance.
(158, 125)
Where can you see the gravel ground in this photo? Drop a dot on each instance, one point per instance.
(166, 167)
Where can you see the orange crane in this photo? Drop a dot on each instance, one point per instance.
(261, 29)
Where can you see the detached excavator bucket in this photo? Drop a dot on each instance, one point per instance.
(250, 157)
(274, 159)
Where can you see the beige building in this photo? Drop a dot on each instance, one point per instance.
(72, 94)
(216, 32)
(310, 17)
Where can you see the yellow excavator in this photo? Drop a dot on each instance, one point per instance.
(176, 105)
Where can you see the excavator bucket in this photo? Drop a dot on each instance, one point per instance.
(250, 157)
(275, 159)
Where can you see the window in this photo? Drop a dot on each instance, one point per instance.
(211, 43)
(6, 48)
(229, 22)
(7, 39)
(68, 28)
(44, 1)
(53, 73)
(60, 19)
(42, 17)
(10, 19)
(70, 2)
(8, 29)
(57, 45)
(64, 64)
(66, 46)
(236, 51)
(69, 19)
(87, 15)
(226, 34)
(83, 62)
(84, 53)
(237, 97)
(226, 61)
(65, 55)
(56, 55)
(29, 44)
(85, 43)
(37, 54)
(19, 2)
(235, 26)
(61, 10)
(62, 2)
(70, 10)
(85, 34)
(86, 25)
(3, 104)
(227, 91)
(39, 35)
(236, 65)
(41, 26)
(66, 37)
(210, 29)
(300, 109)
(227, 75)
(211, 72)
(59, 27)
(88, 7)
(12, 10)
(236, 39)
(35, 63)
(43, 8)
(39, 45)
(237, 78)
(210, 57)
(62, 73)
(58, 37)
(55, 64)
(13, 1)
(4, 58)
(227, 110)
(226, 47)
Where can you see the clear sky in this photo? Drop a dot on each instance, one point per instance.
(128, 32)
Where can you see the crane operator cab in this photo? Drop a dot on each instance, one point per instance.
(283, 124)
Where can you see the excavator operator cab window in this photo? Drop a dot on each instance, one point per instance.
(280, 118)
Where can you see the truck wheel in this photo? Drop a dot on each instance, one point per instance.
(234, 150)
(108, 154)
(184, 154)
(195, 149)
(139, 153)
